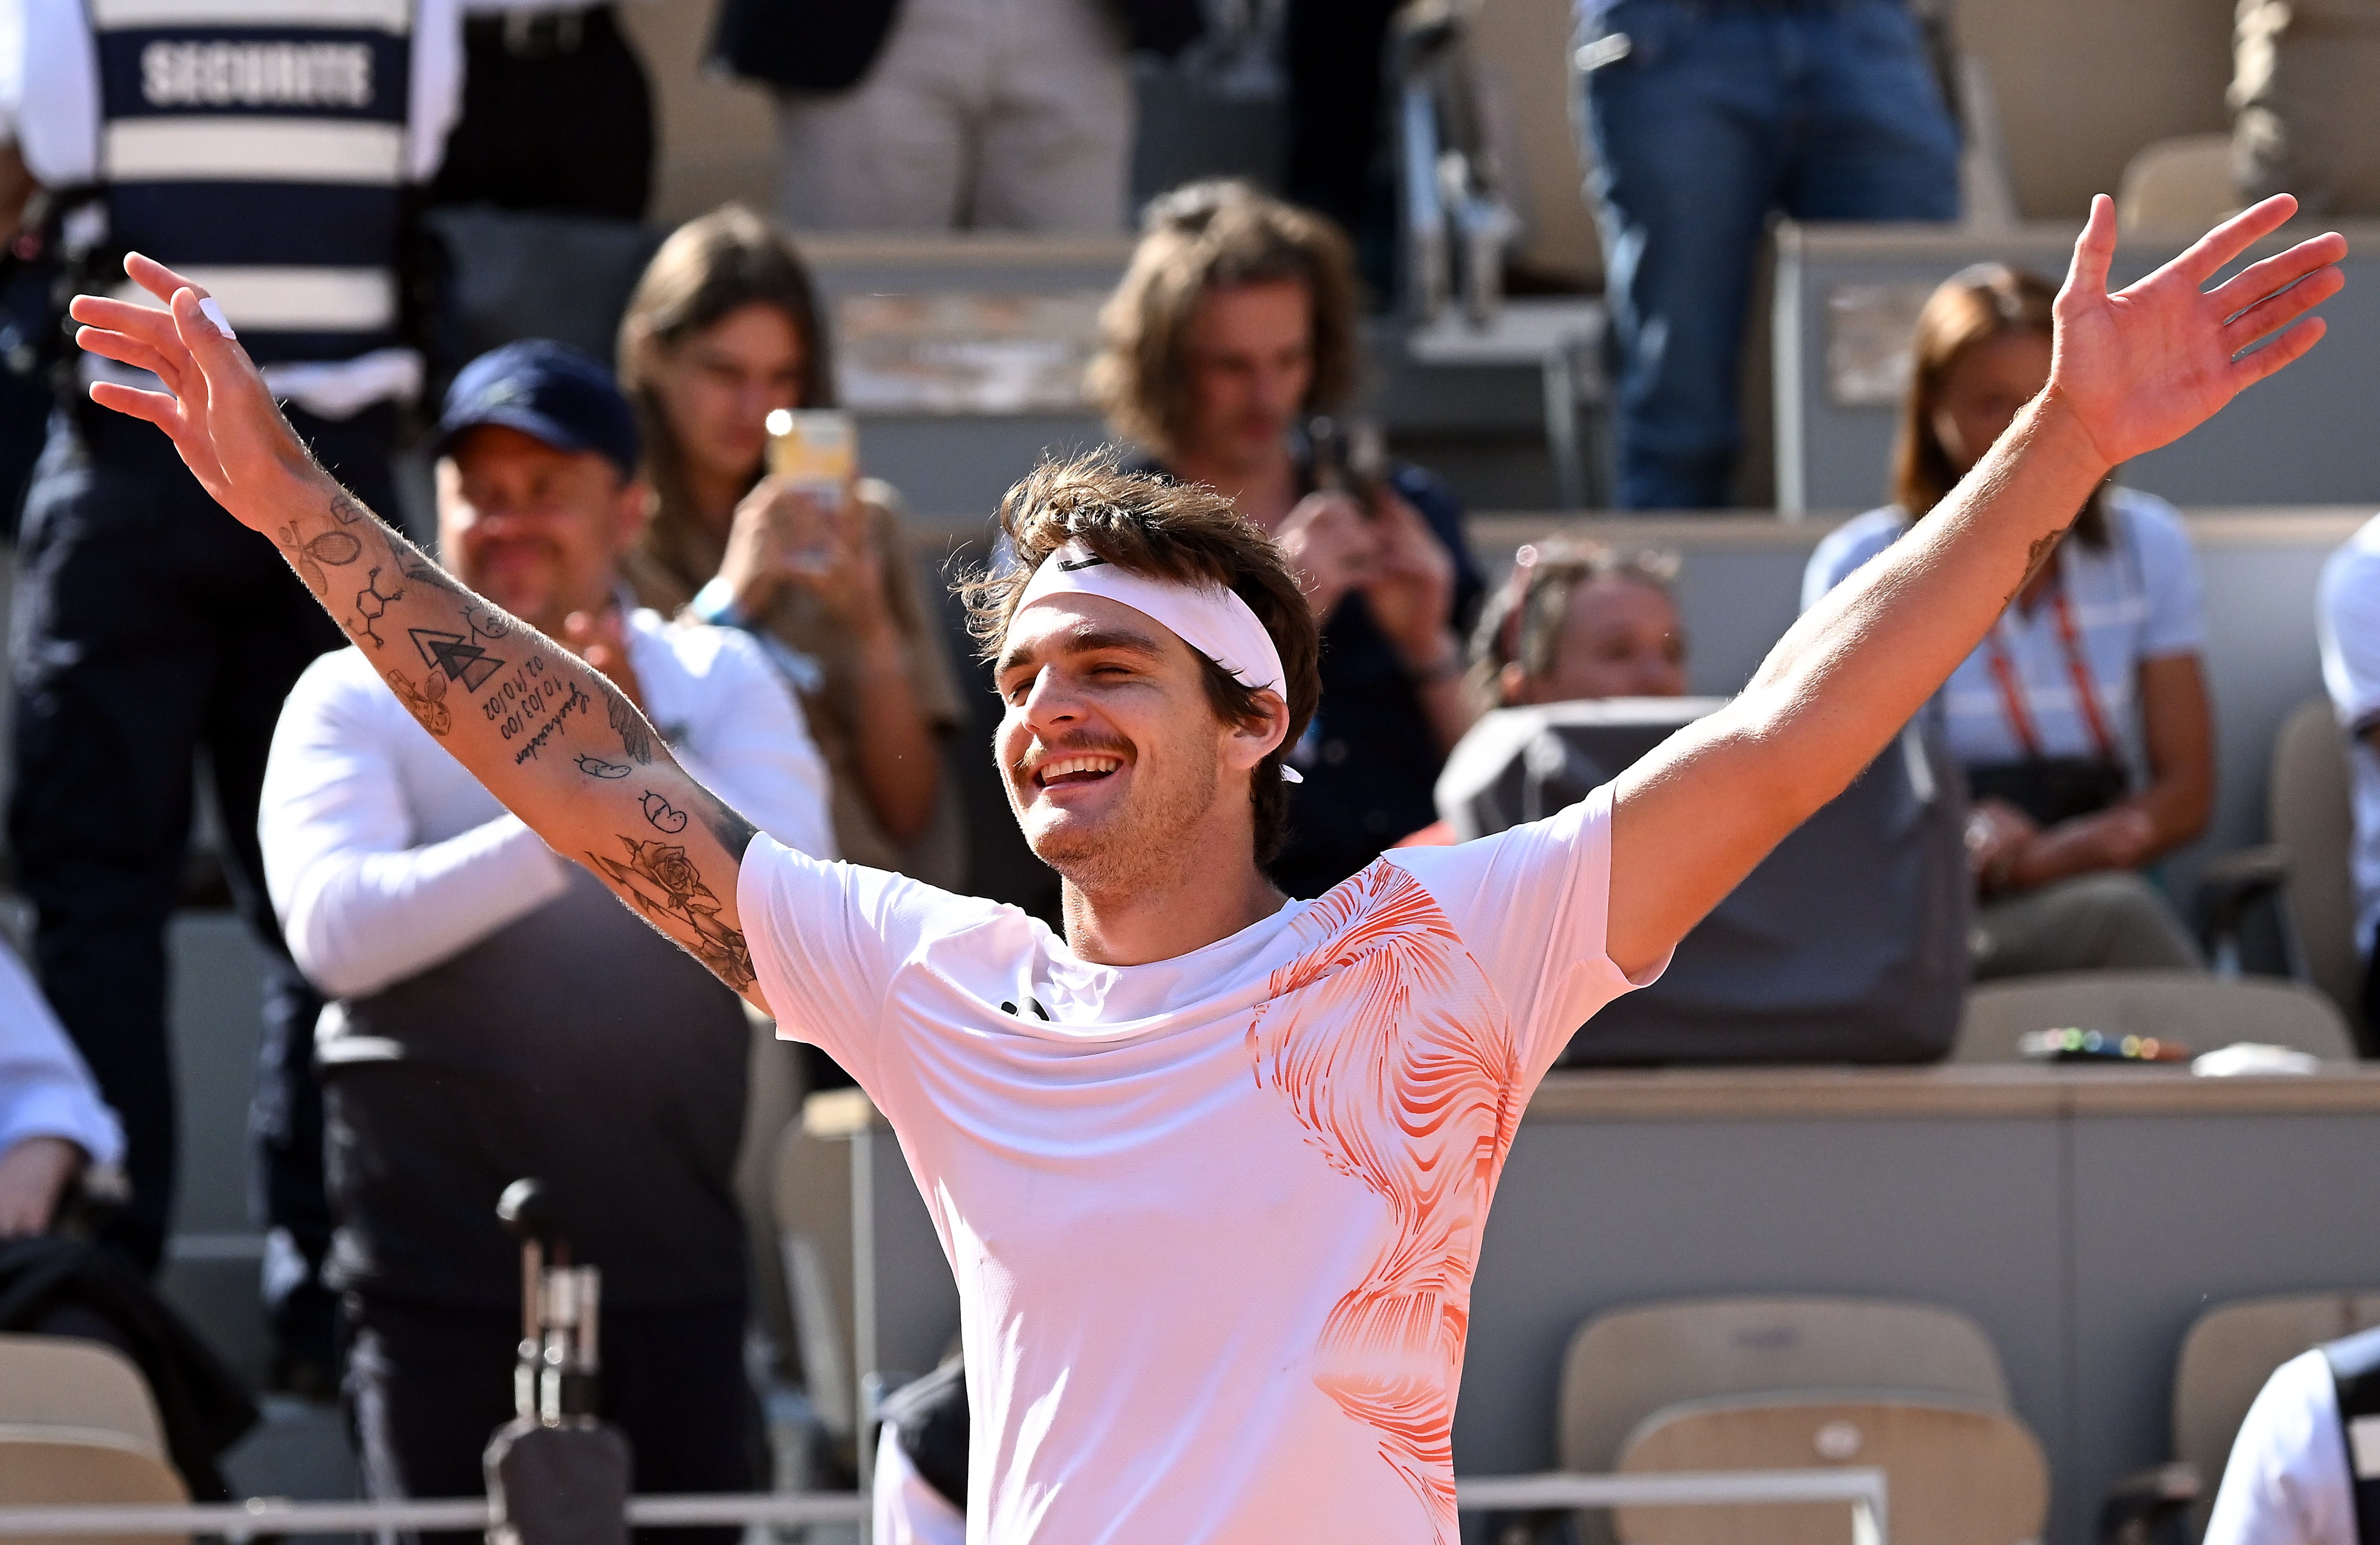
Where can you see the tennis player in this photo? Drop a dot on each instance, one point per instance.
(1211, 1168)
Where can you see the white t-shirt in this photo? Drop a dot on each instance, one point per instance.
(2139, 598)
(2285, 1482)
(2348, 622)
(1213, 1219)
(384, 856)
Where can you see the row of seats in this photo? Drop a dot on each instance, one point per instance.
(1915, 1389)
(77, 1425)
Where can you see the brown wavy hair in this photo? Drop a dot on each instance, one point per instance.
(710, 267)
(1970, 308)
(1205, 237)
(1187, 533)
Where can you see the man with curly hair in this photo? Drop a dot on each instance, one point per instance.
(498, 1015)
(1211, 1166)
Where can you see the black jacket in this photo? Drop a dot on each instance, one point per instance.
(828, 45)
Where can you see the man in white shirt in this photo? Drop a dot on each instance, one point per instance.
(2295, 1468)
(1211, 1168)
(2347, 620)
(52, 1124)
(498, 1015)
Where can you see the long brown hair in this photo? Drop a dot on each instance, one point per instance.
(1168, 531)
(1972, 308)
(1210, 236)
(709, 268)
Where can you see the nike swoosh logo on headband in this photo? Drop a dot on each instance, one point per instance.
(1086, 563)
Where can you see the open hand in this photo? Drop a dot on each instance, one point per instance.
(2143, 368)
(215, 407)
(1331, 546)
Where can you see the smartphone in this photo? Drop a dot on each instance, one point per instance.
(816, 450)
(1350, 456)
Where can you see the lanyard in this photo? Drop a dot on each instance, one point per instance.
(2086, 692)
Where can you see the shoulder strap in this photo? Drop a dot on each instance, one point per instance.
(2355, 1370)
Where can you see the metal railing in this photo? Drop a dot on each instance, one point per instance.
(1862, 1488)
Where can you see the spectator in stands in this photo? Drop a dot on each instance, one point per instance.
(1702, 120)
(2300, 102)
(1234, 326)
(724, 328)
(499, 1013)
(2109, 629)
(53, 1122)
(146, 640)
(1579, 620)
(557, 113)
(2348, 621)
(951, 114)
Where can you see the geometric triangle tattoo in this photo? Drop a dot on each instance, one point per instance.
(462, 660)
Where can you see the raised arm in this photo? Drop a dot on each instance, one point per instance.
(2132, 371)
(548, 734)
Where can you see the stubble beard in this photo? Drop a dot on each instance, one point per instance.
(1141, 843)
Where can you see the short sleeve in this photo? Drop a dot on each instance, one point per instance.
(2285, 1482)
(1841, 550)
(2349, 625)
(2176, 620)
(1532, 905)
(827, 940)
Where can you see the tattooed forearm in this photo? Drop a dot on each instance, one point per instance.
(427, 702)
(371, 604)
(596, 767)
(730, 831)
(662, 883)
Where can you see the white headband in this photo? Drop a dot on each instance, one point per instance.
(1210, 618)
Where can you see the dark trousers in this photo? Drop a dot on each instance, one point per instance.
(2367, 1034)
(426, 1387)
(151, 630)
(557, 115)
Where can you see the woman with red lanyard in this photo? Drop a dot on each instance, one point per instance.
(2100, 650)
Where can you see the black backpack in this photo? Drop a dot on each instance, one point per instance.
(1847, 945)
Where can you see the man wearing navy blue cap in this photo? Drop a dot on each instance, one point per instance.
(497, 1014)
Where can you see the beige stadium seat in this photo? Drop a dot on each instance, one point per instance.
(2200, 1011)
(1957, 1473)
(2313, 823)
(1626, 1364)
(2183, 184)
(2231, 1351)
(811, 1192)
(60, 1466)
(62, 1381)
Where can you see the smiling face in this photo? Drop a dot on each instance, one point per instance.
(1111, 750)
(1619, 637)
(717, 388)
(538, 530)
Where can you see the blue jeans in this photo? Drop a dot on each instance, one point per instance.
(1714, 114)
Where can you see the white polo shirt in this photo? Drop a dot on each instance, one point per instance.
(2285, 1482)
(1213, 1219)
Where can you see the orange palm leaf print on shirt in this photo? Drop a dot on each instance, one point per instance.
(1394, 1055)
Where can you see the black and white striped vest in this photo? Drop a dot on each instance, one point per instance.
(259, 146)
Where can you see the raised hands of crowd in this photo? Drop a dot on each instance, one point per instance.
(783, 535)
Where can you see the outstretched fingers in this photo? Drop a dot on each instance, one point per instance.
(2095, 251)
(2276, 311)
(2230, 238)
(2283, 351)
(2259, 281)
(157, 408)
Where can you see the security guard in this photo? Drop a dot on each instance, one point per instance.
(273, 150)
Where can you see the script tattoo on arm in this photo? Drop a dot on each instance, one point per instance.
(662, 883)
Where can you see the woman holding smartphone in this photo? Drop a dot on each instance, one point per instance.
(723, 330)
